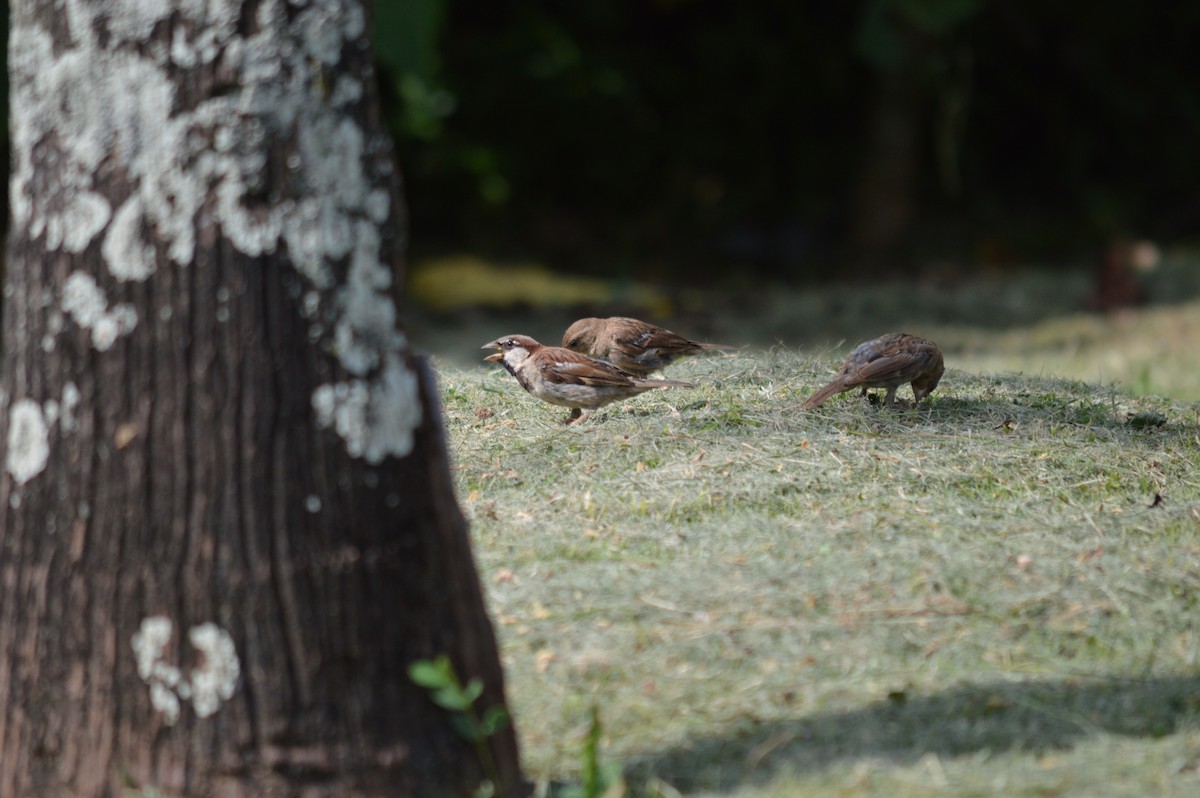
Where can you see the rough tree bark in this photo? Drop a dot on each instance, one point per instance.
(226, 520)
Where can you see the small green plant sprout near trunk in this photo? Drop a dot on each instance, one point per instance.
(448, 692)
(597, 779)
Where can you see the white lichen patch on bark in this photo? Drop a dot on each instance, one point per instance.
(366, 327)
(70, 401)
(374, 421)
(149, 647)
(208, 685)
(28, 448)
(215, 679)
(87, 306)
(125, 250)
(80, 103)
(50, 412)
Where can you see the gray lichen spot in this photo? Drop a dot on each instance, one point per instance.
(50, 411)
(87, 306)
(70, 401)
(216, 679)
(375, 418)
(149, 646)
(378, 205)
(125, 250)
(346, 91)
(326, 25)
(85, 215)
(28, 441)
(212, 682)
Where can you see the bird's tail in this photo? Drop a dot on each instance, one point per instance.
(829, 390)
(717, 348)
(664, 384)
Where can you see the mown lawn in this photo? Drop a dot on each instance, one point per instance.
(996, 594)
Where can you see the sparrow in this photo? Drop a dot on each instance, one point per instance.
(636, 347)
(888, 362)
(566, 378)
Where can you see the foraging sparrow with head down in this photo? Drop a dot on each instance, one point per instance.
(568, 379)
(636, 347)
(888, 362)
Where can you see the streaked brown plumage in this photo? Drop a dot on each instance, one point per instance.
(888, 362)
(634, 346)
(566, 378)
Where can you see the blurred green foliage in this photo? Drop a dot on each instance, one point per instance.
(881, 31)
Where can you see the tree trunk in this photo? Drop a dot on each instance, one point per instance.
(226, 520)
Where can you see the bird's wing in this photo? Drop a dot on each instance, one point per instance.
(565, 366)
(894, 366)
(647, 336)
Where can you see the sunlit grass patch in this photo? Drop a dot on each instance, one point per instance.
(994, 594)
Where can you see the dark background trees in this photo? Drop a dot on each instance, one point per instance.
(699, 134)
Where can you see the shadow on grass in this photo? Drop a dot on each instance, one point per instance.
(1070, 407)
(1034, 717)
(1073, 405)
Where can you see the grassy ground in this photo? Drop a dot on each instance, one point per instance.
(996, 595)
(978, 598)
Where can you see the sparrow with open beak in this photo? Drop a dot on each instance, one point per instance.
(888, 362)
(634, 346)
(566, 378)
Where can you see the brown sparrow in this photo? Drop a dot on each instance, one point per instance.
(569, 379)
(888, 362)
(636, 347)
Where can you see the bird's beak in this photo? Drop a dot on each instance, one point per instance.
(493, 345)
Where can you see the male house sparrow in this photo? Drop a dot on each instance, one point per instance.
(888, 362)
(636, 347)
(569, 379)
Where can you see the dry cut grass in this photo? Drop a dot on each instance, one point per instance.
(997, 594)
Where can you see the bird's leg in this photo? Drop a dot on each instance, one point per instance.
(890, 399)
(577, 416)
